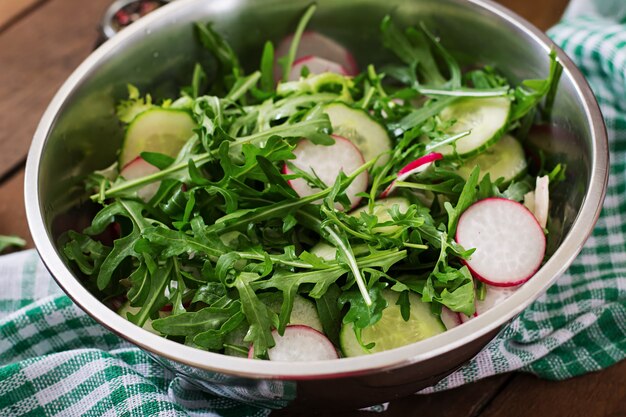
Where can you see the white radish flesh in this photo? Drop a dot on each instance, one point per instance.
(450, 318)
(326, 162)
(509, 243)
(315, 65)
(493, 297)
(138, 168)
(529, 201)
(314, 43)
(300, 344)
(415, 167)
(542, 200)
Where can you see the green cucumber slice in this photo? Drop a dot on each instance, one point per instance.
(381, 211)
(504, 159)
(157, 130)
(126, 308)
(486, 118)
(303, 312)
(361, 129)
(391, 331)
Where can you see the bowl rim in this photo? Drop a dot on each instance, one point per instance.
(345, 367)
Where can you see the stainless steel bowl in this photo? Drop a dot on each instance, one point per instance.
(79, 133)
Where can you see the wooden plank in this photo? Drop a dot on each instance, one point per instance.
(12, 212)
(542, 14)
(597, 394)
(465, 401)
(37, 53)
(11, 9)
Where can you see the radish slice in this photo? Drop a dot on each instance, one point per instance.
(138, 168)
(542, 200)
(316, 65)
(493, 297)
(314, 43)
(419, 165)
(450, 319)
(509, 242)
(300, 343)
(327, 162)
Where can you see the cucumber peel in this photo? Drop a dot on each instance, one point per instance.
(356, 125)
(157, 130)
(485, 118)
(504, 159)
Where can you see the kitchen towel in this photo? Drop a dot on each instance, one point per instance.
(56, 361)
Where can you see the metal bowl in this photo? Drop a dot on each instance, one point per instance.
(79, 133)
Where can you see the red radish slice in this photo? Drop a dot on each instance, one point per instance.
(493, 297)
(298, 344)
(315, 65)
(327, 162)
(450, 318)
(138, 168)
(542, 200)
(509, 242)
(417, 166)
(314, 43)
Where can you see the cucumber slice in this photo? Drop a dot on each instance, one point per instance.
(304, 312)
(391, 331)
(325, 251)
(157, 130)
(329, 253)
(504, 159)
(486, 118)
(126, 308)
(357, 126)
(381, 211)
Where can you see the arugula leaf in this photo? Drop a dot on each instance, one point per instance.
(466, 199)
(287, 61)
(192, 323)
(229, 67)
(261, 319)
(530, 93)
(330, 313)
(213, 339)
(267, 68)
(124, 246)
(361, 314)
(155, 298)
(88, 254)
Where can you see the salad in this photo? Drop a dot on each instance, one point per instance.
(316, 208)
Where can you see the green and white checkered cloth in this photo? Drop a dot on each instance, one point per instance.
(55, 360)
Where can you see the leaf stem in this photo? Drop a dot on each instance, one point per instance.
(296, 40)
(346, 250)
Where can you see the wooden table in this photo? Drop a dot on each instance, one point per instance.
(42, 41)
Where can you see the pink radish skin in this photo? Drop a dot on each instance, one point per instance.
(138, 168)
(300, 344)
(417, 166)
(314, 43)
(327, 162)
(315, 65)
(450, 318)
(493, 297)
(510, 244)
